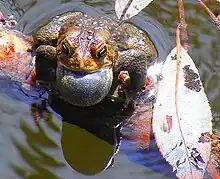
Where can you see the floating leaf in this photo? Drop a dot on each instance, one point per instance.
(126, 9)
(181, 114)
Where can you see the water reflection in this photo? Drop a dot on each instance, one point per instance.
(34, 155)
(204, 40)
(90, 136)
(9, 6)
(27, 150)
(86, 153)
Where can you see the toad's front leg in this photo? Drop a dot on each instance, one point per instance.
(135, 56)
(45, 64)
(135, 62)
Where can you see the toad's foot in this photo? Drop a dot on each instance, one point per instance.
(40, 111)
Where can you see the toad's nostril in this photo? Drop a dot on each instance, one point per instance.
(76, 62)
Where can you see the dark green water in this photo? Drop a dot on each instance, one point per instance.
(28, 151)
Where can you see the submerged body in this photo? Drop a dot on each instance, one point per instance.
(87, 55)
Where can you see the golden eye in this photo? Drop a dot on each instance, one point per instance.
(65, 48)
(100, 52)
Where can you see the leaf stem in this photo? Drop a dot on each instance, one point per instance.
(178, 61)
(213, 17)
(125, 9)
(183, 25)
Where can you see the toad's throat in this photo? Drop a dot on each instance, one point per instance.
(83, 89)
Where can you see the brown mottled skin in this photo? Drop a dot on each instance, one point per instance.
(86, 55)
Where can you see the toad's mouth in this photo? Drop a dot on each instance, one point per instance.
(83, 89)
(85, 66)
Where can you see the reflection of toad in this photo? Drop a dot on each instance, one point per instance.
(89, 54)
(92, 136)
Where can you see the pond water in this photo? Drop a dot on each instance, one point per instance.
(32, 152)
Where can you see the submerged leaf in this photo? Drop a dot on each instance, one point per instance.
(180, 144)
(125, 9)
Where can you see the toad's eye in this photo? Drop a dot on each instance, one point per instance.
(100, 52)
(66, 49)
